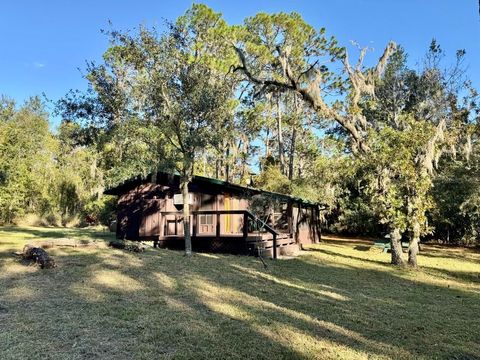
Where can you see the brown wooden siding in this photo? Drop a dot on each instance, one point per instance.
(139, 214)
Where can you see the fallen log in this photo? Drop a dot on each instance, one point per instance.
(62, 242)
(40, 256)
(127, 245)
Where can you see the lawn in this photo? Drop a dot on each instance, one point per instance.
(338, 300)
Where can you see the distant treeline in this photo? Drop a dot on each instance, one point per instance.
(46, 178)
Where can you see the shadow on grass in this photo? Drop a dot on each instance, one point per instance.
(110, 304)
(469, 277)
(347, 241)
(338, 253)
(362, 247)
(464, 254)
(57, 233)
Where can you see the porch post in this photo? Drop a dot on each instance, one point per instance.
(245, 226)
(194, 224)
(218, 225)
(176, 220)
(274, 246)
(290, 216)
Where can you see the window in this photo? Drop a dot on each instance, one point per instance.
(206, 219)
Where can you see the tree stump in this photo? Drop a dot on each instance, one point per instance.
(40, 256)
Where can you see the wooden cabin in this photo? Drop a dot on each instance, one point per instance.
(225, 217)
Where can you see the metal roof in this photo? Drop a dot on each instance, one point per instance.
(162, 177)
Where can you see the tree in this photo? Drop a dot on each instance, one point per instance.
(27, 153)
(428, 113)
(171, 83)
(281, 52)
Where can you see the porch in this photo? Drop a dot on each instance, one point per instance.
(212, 230)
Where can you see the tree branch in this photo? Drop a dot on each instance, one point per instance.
(311, 93)
(252, 78)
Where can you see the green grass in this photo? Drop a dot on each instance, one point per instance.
(339, 300)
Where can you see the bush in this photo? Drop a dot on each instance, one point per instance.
(29, 219)
(354, 217)
(32, 219)
(51, 219)
(102, 210)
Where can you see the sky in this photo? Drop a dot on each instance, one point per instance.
(45, 44)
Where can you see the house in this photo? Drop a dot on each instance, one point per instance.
(224, 217)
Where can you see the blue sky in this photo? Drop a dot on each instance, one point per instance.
(44, 43)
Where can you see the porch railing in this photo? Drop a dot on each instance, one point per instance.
(247, 215)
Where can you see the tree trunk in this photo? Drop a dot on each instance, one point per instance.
(244, 157)
(300, 167)
(281, 155)
(291, 159)
(217, 168)
(267, 143)
(413, 245)
(186, 214)
(396, 247)
(227, 163)
(292, 154)
(205, 164)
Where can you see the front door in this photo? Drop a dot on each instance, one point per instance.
(232, 221)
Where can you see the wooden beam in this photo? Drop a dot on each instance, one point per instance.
(194, 224)
(245, 226)
(218, 225)
(274, 246)
(176, 220)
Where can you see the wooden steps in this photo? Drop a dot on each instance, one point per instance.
(285, 250)
(265, 236)
(263, 244)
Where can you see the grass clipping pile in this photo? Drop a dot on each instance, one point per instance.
(127, 245)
